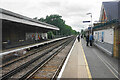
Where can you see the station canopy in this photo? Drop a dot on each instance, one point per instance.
(14, 17)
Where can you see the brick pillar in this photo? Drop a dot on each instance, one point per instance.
(119, 41)
(0, 36)
(116, 42)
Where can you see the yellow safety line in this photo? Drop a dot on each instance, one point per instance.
(88, 70)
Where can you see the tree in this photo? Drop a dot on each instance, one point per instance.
(82, 32)
(41, 19)
(57, 20)
(50, 35)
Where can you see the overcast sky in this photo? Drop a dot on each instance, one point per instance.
(72, 11)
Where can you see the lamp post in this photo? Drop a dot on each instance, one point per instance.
(91, 19)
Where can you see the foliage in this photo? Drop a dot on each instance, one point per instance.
(41, 19)
(82, 32)
(50, 35)
(57, 21)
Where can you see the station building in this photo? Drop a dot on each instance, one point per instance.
(18, 30)
(107, 32)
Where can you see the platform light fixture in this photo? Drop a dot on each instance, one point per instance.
(91, 19)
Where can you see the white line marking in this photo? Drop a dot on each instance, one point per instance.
(103, 49)
(107, 61)
(111, 66)
(107, 66)
(60, 74)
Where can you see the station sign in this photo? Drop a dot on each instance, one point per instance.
(86, 21)
(89, 28)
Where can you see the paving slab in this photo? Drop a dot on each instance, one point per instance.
(76, 66)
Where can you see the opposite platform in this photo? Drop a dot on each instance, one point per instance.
(5, 52)
(76, 65)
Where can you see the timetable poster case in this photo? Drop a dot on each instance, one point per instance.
(104, 36)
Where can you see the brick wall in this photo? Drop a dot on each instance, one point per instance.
(119, 42)
(116, 42)
(0, 35)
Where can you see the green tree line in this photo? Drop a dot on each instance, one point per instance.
(57, 21)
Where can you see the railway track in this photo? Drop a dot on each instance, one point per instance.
(52, 67)
(29, 53)
(29, 66)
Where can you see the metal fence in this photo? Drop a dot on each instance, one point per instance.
(107, 23)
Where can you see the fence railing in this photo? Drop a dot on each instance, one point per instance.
(107, 23)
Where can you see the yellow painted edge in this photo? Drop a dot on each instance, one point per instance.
(88, 70)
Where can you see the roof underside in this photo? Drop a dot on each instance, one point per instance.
(8, 15)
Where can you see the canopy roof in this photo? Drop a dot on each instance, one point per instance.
(11, 16)
(109, 11)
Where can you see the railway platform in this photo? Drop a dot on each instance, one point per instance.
(76, 65)
(89, 63)
(8, 51)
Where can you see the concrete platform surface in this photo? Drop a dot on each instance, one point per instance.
(76, 65)
(102, 66)
(89, 63)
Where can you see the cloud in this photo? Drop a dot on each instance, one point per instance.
(51, 4)
(72, 11)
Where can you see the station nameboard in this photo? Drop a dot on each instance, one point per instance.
(86, 21)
